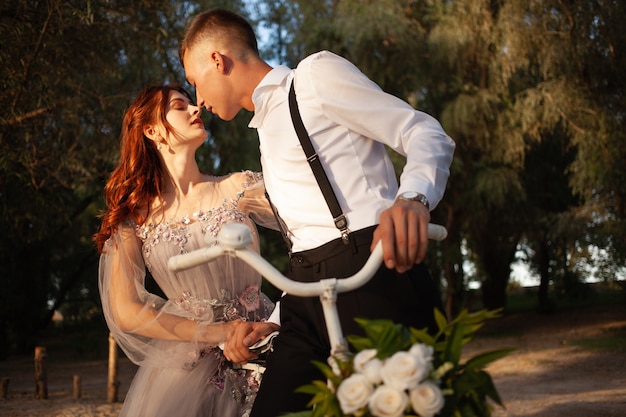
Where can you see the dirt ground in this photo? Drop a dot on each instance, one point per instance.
(554, 372)
(569, 364)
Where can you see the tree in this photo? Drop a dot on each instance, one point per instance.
(552, 220)
(574, 108)
(516, 73)
(502, 77)
(68, 70)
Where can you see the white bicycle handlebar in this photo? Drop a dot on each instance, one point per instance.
(233, 240)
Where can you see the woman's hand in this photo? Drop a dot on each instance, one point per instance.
(240, 335)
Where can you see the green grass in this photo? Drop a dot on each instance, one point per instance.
(525, 299)
(604, 343)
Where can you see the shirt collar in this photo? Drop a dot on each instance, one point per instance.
(276, 77)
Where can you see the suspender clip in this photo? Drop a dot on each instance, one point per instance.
(342, 224)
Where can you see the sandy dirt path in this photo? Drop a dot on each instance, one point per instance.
(549, 374)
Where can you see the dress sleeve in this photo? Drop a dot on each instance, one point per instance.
(136, 318)
(252, 200)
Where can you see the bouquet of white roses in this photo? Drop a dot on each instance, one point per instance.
(399, 371)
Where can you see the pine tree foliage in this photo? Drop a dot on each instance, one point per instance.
(68, 69)
(503, 76)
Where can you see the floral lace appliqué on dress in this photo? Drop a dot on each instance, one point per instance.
(227, 308)
(176, 232)
(244, 383)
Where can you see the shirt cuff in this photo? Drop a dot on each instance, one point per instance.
(275, 316)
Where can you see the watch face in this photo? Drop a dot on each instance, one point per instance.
(414, 196)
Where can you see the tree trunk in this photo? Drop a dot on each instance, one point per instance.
(452, 264)
(41, 373)
(544, 277)
(112, 383)
(497, 269)
(494, 292)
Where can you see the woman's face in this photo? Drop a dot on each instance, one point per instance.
(184, 117)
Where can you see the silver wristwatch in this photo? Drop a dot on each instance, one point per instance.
(414, 196)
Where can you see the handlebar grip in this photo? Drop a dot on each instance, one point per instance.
(191, 259)
(437, 232)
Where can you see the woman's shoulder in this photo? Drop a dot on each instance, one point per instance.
(242, 179)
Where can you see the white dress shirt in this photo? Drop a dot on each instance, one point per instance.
(349, 120)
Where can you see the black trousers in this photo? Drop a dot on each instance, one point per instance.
(408, 298)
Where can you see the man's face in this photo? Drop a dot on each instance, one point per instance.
(205, 72)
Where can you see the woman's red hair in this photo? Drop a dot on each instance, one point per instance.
(139, 177)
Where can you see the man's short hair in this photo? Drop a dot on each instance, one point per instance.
(223, 27)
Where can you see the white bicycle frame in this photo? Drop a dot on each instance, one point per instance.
(233, 240)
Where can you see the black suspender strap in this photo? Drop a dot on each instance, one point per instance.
(316, 166)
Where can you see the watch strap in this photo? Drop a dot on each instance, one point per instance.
(414, 196)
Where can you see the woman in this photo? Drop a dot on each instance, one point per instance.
(159, 204)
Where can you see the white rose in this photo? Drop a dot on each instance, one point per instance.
(366, 363)
(425, 352)
(427, 399)
(404, 371)
(361, 358)
(388, 402)
(353, 393)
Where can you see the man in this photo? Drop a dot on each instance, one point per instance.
(349, 120)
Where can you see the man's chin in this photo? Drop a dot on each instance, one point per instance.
(227, 116)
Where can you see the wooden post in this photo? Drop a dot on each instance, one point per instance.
(113, 383)
(77, 391)
(4, 388)
(41, 373)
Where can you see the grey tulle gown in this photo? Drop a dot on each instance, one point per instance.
(186, 379)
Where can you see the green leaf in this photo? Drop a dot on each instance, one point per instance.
(469, 329)
(490, 389)
(325, 369)
(323, 402)
(385, 336)
(441, 320)
(320, 412)
(469, 380)
(422, 336)
(308, 389)
(360, 343)
(481, 360)
(306, 413)
(454, 343)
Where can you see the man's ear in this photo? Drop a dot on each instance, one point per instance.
(220, 62)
